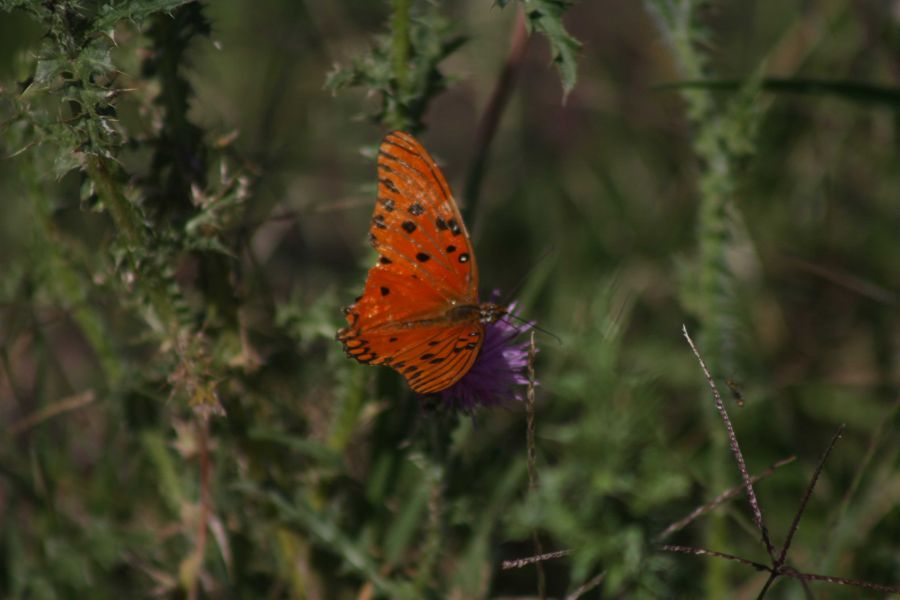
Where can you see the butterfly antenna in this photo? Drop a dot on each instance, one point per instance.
(536, 327)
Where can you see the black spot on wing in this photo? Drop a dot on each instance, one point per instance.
(422, 257)
(408, 226)
(389, 184)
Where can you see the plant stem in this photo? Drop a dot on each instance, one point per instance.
(532, 464)
(205, 503)
(400, 61)
(496, 105)
(129, 225)
(677, 23)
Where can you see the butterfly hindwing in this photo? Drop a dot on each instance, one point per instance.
(430, 357)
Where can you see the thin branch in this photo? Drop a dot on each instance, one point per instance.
(840, 581)
(587, 586)
(713, 553)
(773, 575)
(529, 412)
(400, 43)
(806, 496)
(518, 563)
(205, 503)
(532, 463)
(784, 571)
(495, 107)
(735, 448)
(720, 499)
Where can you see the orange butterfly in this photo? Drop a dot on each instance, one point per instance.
(419, 313)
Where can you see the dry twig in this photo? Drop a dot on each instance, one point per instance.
(532, 462)
(735, 448)
(778, 567)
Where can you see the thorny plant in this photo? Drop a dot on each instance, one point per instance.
(187, 200)
(291, 482)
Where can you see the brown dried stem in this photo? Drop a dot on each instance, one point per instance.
(806, 496)
(782, 571)
(888, 589)
(532, 462)
(518, 563)
(705, 552)
(586, 586)
(778, 565)
(720, 499)
(205, 503)
(735, 448)
(495, 107)
(777, 568)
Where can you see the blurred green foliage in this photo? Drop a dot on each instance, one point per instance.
(185, 211)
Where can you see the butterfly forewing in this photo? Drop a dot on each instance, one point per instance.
(425, 268)
(417, 223)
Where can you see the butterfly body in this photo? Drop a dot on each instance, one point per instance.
(419, 312)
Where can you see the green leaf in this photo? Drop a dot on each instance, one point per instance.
(545, 17)
(133, 10)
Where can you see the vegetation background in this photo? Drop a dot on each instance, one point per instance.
(185, 207)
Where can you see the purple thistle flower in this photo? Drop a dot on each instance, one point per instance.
(498, 370)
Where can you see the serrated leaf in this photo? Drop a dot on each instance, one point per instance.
(133, 10)
(96, 57)
(545, 17)
(65, 162)
(48, 68)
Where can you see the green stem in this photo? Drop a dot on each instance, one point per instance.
(126, 219)
(493, 112)
(713, 284)
(677, 22)
(400, 60)
(131, 228)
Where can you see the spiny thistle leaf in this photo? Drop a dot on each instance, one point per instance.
(545, 17)
(133, 10)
